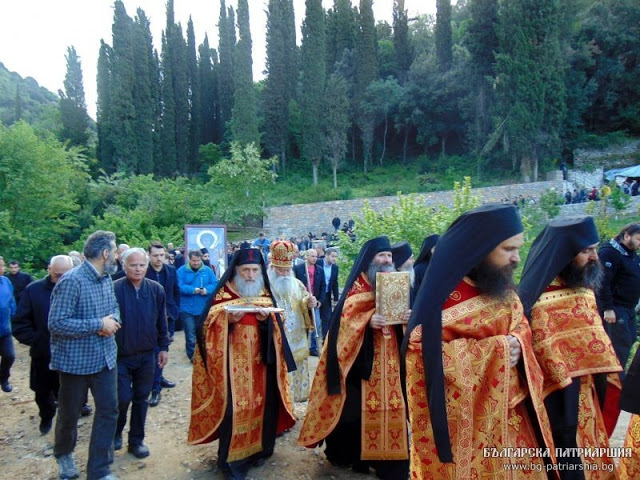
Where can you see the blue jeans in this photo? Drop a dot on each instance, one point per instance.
(189, 327)
(71, 397)
(135, 379)
(8, 355)
(314, 337)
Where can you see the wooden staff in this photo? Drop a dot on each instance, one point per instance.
(317, 322)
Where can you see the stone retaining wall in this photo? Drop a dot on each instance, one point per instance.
(581, 208)
(295, 220)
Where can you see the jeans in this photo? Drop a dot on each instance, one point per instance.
(135, 379)
(325, 315)
(71, 396)
(189, 327)
(623, 333)
(318, 327)
(8, 355)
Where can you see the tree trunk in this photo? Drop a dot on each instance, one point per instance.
(384, 139)
(404, 145)
(335, 174)
(444, 146)
(315, 174)
(525, 167)
(283, 157)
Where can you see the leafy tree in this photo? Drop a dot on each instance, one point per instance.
(39, 181)
(18, 105)
(313, 69)
(244, 118)
(381, 98)
(336, 119)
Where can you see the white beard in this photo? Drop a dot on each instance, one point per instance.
(283, 287)
(249, 289)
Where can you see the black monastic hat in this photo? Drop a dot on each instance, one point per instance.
(469, 239)
(369, 250)
(401, 252)
(556, 246)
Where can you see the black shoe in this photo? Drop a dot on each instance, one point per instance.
(167, 383)
(86, 410)
(313, 353)
(117, 442)
(155, 399)
(45, 425)
(139, 451)
(7, 387)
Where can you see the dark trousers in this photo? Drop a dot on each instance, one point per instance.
(189, 327)
(135, 379)
(45, 383)
(8, 355)
(623, 333)
(71, 396)
(157, 374)
(325, 315)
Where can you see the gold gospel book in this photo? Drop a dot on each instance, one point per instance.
(392, 295)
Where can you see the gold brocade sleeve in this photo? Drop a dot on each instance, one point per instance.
(323, 411)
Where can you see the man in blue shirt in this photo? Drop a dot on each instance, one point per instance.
(196, 283)
(83, 319)
(7, 310)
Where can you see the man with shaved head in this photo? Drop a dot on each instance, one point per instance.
(30, 328)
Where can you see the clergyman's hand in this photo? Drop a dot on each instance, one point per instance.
(377, 321)
(235, 317)
(515, 350)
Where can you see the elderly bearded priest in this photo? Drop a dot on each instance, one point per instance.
(357, 404)
(472, 378)
(240, 391)
(292, 296)
(569, 340)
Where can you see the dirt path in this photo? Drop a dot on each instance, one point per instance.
(24, 454)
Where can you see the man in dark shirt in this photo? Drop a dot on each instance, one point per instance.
(30, 328)
(166, 276)
(312, 277)
(620, 289)
(18, 279)
(144, 329)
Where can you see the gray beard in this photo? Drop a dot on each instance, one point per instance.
(110, 268)
(282, 286)
(589, 276)
(373, 269)
(412, 274)
(249, 289)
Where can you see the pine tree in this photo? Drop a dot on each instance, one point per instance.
(530, 82)
(444, 41)
(226, 49)
(123, 125)
(313, 69)
(103, 109)
(194, 99)
(143, 99)
(366, 72)
(244, 121)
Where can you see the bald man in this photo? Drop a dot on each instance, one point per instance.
(30, 328)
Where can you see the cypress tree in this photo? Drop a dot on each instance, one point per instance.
(17, 105)
(366, 72)
(103, 109)
(313, 69)
(181, 98)
(444, 41)
(209, 106)
(226, 48)
(336, 115)
(290, 48)
(143, 99)
(194, 98)
(73, 108)
(124, 136)
(244, 121)
(401, 44)
(168, 165)
(341, 31)
(530, 81)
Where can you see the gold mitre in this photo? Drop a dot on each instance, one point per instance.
(282, 253)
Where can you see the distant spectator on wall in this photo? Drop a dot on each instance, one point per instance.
(336, 223)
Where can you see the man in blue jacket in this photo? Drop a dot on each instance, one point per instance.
(166, 276)
(142, 341)
(196, 283)
(7, 310)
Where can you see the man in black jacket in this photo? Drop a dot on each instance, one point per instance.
(30, 328)
(620, 289)
(315, 283)
(18, 279)
(143, 316)
(166, 276)
(330, 268)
